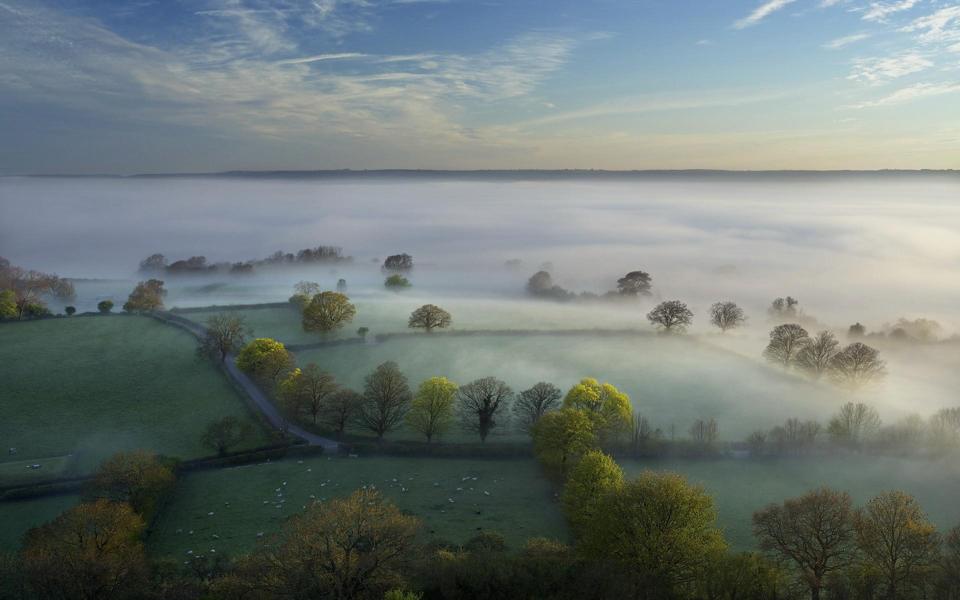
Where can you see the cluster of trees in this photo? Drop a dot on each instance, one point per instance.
(631, 285)
(146, 296)
(918, 330)
(858, 426)
(398, 263)
(854, 366)
(322, 312)
(23, 292)
(197, 265)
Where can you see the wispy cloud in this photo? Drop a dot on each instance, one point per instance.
(879, 70)
(913, 92)
(761, 12)
(846, 40)
(320, 57)
(940, 26)
(879, 11)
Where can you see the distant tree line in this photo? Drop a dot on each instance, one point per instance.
(156, 264)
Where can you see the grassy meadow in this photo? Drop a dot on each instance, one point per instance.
(89, 387)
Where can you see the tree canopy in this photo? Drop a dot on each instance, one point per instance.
(483, 405)
(266, 359)
(328, 311)
(671, 316)
(726, 315)
(608, 408)
(386, 399)
(431, 411)
(429, 317)
(146, 296)
(634, 283)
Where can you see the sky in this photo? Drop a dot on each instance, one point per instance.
(97, 86)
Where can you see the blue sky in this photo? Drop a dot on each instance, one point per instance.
(159, 86)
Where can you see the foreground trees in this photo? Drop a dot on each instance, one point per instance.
(146, 296)
(814, 532)
(432, 409)
(726, 315)
(561, 437)
(609, 409)
(429, 317)
(386, 398)
(138, 478)
(353, 547)
(671, 316)
(90, 552)
(225, 333)
(483, 404)
(328, 311)
(266, 359)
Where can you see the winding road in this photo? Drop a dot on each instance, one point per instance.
(252, 390)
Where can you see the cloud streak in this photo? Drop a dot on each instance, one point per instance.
(761, 12)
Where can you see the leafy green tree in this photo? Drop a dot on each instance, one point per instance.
(535, 402)
(139, 478)
(386, 399)
(660, 530)
(328, 311)
(8, 304)
(561, 437)
(225, 333)
(608, 407)
(671, 316)
(431, 411)
(225, 433)
(91, 552)
(898, 541)
(429, 317)
(306, 391)
(814, 532)
(105, 306)
(591, 480)
(743, 575)
(483, 405)
(396, 282)
(266, 359)
(146, 296)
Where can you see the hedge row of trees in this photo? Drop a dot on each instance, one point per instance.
(854, 366)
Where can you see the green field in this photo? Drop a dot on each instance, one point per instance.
(672, 381)
(17, 517)
(245, 500)
(92, 386)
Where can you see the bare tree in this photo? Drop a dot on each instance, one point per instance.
(816, 355)
(704, 432)
(856, 366)
(945, 426)
(634, 283)
(386, 399)
(533, 403)
(814, 532)
(671, 316)
(786, 341)
(429, 317)
(340, 410)
(482, 405)
(225, 333)
(726, 315)
(854, 424)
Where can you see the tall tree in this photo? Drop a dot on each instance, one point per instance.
(608, 408)
(561, 437)
(432, 408)
(726, 315)
(594, 477)
(386, 399)
(146, 296)
(483, 404)
(226, 333)
(816, 355)
(856, 366)
(306, 390)
(897, 540)
(340, 410)
(854, 424)
(91, 552)
(266, 359)
(139, 478)
(671, 316)
(814, 532)
(328, 311)
(429, 317)
(786, 341)
(535, 402)
(634, 283)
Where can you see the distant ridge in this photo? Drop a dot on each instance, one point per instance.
(520, 174)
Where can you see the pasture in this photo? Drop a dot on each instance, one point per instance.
(90, 386)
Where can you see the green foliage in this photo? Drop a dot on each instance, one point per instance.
(139, 478)
(402, 595)
(265, 358)
(328, 311)
(431, 411)
(590, 482)
(608, 408)
(396, 282)
(34, 310)
(560, 438)
(8, 304)
(105, 306)
(146, 296)
(225, 433)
